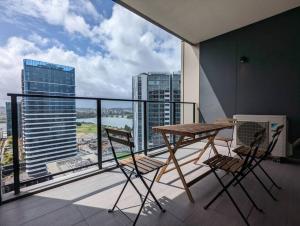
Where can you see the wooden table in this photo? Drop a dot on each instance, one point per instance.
(188, 134)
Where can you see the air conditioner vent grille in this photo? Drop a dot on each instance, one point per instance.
(246, 131)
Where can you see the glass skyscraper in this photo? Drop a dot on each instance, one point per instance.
(154, 87)
(49, 124)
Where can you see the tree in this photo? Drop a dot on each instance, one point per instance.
(127, 128)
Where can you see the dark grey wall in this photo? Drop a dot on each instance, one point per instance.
(269, 83)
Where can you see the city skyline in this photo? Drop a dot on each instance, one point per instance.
(86, 104)
(36, 82)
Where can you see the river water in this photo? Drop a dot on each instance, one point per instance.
(109, 121)
(3, 126)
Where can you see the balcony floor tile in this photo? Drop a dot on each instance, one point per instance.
(86, 202)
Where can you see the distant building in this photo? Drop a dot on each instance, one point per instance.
(71, 163)
(8, 118)
(49, 123)
(154, 87)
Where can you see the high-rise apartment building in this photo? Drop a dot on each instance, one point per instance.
(155, 87)
(49, 124)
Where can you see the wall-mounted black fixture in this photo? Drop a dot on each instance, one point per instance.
(244, 59)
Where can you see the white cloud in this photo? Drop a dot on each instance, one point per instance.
(130, 38)
(132, 46)
(74, 23)
(39, 39)
(52, 11)
(85, 7)
(65, 13)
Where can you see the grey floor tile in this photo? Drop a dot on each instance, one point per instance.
(62, 217)
(86, 202)
(81, 223)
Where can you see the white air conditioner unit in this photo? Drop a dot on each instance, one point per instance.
(247, 125)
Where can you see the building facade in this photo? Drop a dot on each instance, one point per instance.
(49, 124)
(8, 118)
(154, 87)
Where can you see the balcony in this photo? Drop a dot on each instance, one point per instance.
(76, 138)
(238, 59)
(79, 190)
(85, 202)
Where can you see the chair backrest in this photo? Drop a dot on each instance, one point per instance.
(230, 121)
(254, 146)
(121, 137)
(258, 138)
(274, 140)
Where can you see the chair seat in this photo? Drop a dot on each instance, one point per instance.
(225, 139)
(145, 164)
(243, 151)
(226, 163)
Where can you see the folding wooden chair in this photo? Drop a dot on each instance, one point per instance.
(226, 139)
(236, 168)
(259, 157)
(136, 166)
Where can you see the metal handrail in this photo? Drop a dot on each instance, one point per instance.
(96, 98)
(14, 117)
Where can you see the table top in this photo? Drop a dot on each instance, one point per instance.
(191, 130)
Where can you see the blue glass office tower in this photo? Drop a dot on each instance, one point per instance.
(154, 87)
(49, 124)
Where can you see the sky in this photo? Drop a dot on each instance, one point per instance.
(106, 43)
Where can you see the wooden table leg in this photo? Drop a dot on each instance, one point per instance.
(164, 168)
(172, 154)
(201, 152)
(212, 143)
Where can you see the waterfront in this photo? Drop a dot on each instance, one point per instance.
(109, 121)
(3, 126)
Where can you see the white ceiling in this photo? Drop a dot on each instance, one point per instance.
(199, 20)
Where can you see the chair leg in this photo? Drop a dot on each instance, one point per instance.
(209, 152)
(232, 200)
(123, 189)
(257, 163)
(218, 194)
(144, 201)
(153, 196)
(264, 186)
(229, 147)
(240, 179)
(268, 176)
(133, 185)
(214, 199)
(247, 194)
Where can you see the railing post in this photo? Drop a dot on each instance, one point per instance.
(145, 128)
(173, 113)
(174, 117)
(194, 114)
(99, 134)
(15, 143)
(0, 184)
